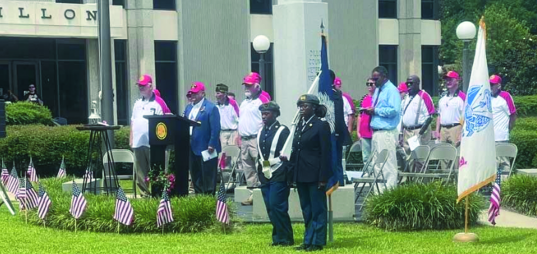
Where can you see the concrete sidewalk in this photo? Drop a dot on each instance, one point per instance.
(509, 219)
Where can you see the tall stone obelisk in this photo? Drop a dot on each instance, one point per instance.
(297, 48)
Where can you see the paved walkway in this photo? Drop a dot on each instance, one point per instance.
(509, 219)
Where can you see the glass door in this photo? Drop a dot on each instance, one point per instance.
(25, 74)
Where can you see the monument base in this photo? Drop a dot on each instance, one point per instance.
(465, 238)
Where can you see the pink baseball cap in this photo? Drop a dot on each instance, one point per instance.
(337, 81)
(196, 87)
(403, 87)
(252, 78)
(495, 79)
(145, 80)
(452, 74)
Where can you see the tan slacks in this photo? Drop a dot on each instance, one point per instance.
(229, 138)
(248, 162)
(451, 135)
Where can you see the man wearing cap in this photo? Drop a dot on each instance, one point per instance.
(229, 116)
(417, 109)
(149, 104)
(385, 114)
(274, 174)
(348, 105)
(250, 123)
(450, 111)
(503, 115)
(205, 137)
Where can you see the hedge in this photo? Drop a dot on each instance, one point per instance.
(519, 193)
(27, 113)
(191, 213)
(421, 207)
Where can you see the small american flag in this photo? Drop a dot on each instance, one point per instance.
(124, 213)
(78, 202)
(164, 212)
(222, 213)
(61, 172)
(88, 175)
(13, 181)
(31, 172)
(27, 196)
(494, 209)
(43, 204)
(5, 176)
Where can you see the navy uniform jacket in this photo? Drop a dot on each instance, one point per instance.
(311, 154)
(265, 142)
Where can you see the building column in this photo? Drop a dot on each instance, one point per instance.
(409, 60)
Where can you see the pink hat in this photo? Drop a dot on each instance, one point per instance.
(337, 81)
(145, 80)
(452, 74)
(495, 79)
(196, 87)
(403, 87)
(252, 78)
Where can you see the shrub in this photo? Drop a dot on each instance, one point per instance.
(526, 142)
(421, 206)
(519, 192)
(47, 145)
(191, 214)
(526, 105)
(27, 113)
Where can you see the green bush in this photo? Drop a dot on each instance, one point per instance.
(47, 145)
(27, 113)
(526, 105)
(421, 206)
(191, 214)
(524, 137)
(519, 192)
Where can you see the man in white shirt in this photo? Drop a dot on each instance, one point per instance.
(450, 111)
(503, 115)
(250, 122)
(149, 104)
(229, 116)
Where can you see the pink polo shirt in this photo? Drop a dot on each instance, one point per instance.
(364, 129)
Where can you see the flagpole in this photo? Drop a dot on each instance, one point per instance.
(118, 227)
(466, 237)
(330, 220)
(163, 228)
(466, 217)
(75, 226)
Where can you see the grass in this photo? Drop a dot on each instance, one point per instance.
(16, 237)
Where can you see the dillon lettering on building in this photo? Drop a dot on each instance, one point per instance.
(67, 14)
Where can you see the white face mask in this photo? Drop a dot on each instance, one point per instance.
(248, 94)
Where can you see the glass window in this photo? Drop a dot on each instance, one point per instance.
(166, 73)
(429, 69)
(164, 5)
(73, 87)
(429, 9)
(260, 6)
(119, 2)
(71, 51)
(388, 59)
(122, 91)
(388, 9)
(69, 1)
(49, 86)
(269, 67)
(27, 48)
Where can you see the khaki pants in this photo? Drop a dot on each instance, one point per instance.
(248, 162)
(141, 158)
(451, 135)
(386, 140)
(229, 138)
(424, 140)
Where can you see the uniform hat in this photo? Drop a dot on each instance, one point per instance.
(145, 80)
(403, 87)
(196, 87)
(495, 79)
(222, 88)
(252, 78)
(270, 106)
(452, 74)
(337, 81)
(308, 98)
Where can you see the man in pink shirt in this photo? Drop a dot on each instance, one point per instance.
(450, 111)
(364, 131)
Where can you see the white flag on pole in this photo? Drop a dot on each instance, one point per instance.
(477, 165)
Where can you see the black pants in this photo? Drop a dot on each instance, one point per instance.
(276, 197)
(314, 210)
(203, 174)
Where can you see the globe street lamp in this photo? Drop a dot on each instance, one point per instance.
(261, 46)
(466, 32)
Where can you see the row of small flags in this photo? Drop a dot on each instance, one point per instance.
(32, 173)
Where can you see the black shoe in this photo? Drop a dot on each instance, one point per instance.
(314, 248)
(286, 244)
(275, 244)
(302, 247)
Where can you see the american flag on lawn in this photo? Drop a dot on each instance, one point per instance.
(13, 181)
(222, 213)
(5, 173)
(78, 202)
(27, 196)
(124, 213)
(88, 175)
(164, 212)
(31, 172)
(44, 203)
(494, 209)
(61, 172)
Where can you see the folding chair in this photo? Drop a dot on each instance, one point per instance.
(123, 156)
(371, 177)
(508, 151)
(356, 148)
(420, 154)
(446, 153)
(230, 170)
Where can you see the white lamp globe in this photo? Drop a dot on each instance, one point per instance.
(261, 44)
(466, 30)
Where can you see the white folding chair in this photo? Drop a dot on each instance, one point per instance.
(447, 153)
(123, 156)
(356, 148)
(420, 154)
(508, 151)
(231, 169)
(371, 177)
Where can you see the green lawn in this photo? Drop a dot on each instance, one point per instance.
(16, 237)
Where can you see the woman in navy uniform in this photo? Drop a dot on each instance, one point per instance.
(273, 174)
(311, 158)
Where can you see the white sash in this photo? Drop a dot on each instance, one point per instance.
(275, 163)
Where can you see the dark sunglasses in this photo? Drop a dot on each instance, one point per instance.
(409, 83)
(368, 84)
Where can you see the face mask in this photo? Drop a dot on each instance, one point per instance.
(248, 94)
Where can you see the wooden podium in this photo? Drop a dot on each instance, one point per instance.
(174, 130)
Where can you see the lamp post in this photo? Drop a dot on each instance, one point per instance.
(466, 32)
(261, 46)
